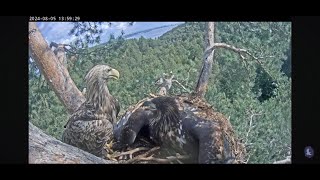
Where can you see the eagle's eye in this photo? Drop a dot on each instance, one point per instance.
(106, 72)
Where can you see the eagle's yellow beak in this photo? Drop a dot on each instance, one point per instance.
(114, 74)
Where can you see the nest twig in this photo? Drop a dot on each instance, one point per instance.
(142, 156)
(169, 159)
(149, 157)
(130, 152)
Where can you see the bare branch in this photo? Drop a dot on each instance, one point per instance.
(226, 46)
(250, 124)
(241, 53)
(237, 50)
(164, 83)
(184, 88)
(188, 76)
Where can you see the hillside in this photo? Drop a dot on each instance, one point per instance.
(256, 99)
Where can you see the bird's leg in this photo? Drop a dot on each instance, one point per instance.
(108, 151)
(108, 147)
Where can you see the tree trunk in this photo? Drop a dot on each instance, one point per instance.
(55, 73)
(207, 61)
(46, 149)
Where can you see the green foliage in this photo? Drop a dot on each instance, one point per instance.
(86, 33)
(236, 89)
(45, 109)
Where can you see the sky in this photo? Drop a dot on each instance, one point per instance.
(58, 31)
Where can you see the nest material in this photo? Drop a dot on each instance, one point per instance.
(143, 151)
(206, 111)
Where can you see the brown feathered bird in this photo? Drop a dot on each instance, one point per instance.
(91, 126)
(182, 124)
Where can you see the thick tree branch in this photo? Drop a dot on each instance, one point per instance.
(237, 50)
(44, 149)
(241, 53)
(56, 75)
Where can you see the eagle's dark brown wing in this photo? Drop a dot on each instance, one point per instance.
(218, 143)
(213, 148)
(87, 131)
(115, 106)
(86, 112)
(127, 129)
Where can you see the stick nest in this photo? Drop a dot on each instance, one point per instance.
(143, 151)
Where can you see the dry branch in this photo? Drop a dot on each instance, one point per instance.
(165, 82)
(164, 161)
(250, 124)
(183, 87)
(241, 53)
(237, 50)
(130, 152)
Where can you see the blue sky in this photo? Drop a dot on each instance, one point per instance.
(58, 31)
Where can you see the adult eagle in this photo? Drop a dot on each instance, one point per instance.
(182, 124)
(91, 126)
